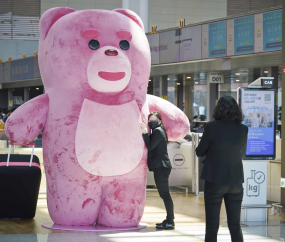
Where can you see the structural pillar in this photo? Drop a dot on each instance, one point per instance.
(212, 97)
(26, 94)
(180, 91)
(283, 112)
(10, 98)
(141, 8)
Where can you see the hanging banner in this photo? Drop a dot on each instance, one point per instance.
(272, 31)
(169, 46)
(217, 39)
(190, 43)
(268, 31)
(153, 41)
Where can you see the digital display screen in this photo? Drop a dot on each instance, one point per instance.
(258, 106)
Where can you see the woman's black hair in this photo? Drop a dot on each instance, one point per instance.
(227, 107)
(157, 114)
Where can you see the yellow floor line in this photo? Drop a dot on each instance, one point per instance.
(177, 233)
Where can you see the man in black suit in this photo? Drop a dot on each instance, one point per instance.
(224, 144)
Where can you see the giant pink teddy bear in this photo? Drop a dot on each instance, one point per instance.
(95, 66)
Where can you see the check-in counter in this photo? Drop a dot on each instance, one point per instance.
(274, 175)
(182, 166)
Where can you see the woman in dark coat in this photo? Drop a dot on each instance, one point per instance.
(159, 163)
(224, 145)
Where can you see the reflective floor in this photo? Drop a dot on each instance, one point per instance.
(189, 212)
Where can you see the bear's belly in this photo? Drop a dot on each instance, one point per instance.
(108, 138)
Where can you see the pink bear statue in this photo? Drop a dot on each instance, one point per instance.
(95, 66)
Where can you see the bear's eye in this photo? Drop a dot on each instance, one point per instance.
(124, 44)
(94, 44)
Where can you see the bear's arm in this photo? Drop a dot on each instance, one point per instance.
(176, 122)
(27, 121)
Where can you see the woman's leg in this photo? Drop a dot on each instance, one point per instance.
(213, 196)
(161, 180)
(233, 200)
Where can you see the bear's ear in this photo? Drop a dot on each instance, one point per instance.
(132, 15)
(50, 17)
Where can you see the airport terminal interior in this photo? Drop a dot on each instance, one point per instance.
(71, 119)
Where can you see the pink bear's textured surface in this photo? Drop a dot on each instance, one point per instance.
(76, 193)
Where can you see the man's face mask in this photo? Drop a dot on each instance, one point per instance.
(153, 124)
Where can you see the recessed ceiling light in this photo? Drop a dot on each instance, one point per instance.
(149, 80)
(37, 88)
(237, 74)
(178, 83)
(196, 82)
(265, 71)
(168, 79)
(188, 77)
(237, 80)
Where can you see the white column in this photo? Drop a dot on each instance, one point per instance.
(141, 8)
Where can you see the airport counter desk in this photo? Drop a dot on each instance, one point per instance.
(182, 174)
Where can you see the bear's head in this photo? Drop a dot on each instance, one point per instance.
(101, 55)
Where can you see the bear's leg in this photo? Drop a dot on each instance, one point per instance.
(123, 202)
(74, 203)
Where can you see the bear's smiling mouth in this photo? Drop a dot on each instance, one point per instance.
(111, 76)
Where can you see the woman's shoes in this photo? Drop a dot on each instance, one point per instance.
(165, 225)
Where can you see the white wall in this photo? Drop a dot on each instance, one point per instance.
(81, 4)
(166, 13)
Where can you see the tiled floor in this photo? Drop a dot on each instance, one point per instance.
(189, 212)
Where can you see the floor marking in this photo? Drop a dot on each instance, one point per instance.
(183, 235)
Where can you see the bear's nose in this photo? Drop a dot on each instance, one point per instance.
(111, 52)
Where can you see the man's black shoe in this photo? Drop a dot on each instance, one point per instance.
(160, 224)
(166, 225)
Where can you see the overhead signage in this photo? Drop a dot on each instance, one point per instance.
(268, 31)
(153, 29)
(205, 41)
(267, 83)
(169, 46)
(181, 23)
(153, 41)
(22, 69)
(190, 43)
(217, 39)
(272, 31)
(240, 36)
(216, 77)
(258, 106)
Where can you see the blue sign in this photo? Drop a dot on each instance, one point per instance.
(217, 39)
(272, 30)
(22, 69)
(244, 35)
